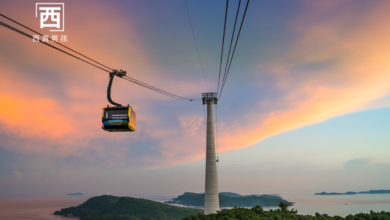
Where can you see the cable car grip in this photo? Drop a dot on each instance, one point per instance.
(120, 73)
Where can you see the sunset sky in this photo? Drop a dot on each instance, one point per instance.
(306, 106)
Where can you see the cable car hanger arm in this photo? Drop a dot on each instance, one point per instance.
(120, 73)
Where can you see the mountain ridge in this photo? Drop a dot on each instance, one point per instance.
(229, 199)
(381, 191)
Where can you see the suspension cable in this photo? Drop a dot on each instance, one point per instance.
(231, 42)
(223, 41)
(128, 78)
(238, 36)
(27, 35)
(196, 45)
(53, 41)
(156, 89)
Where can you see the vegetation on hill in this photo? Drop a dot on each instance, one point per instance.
(230, 194)
(382, 191)
(126, 208)
(257, 213)
(229, 200)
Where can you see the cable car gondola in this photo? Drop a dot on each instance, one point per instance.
(119, 118)
(116, 119)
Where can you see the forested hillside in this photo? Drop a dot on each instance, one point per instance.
(126, 208)
(257, 213)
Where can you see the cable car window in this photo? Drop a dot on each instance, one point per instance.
(116, 114)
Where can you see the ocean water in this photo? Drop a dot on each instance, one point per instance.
(36, 208)
(341, 205)
(41, 208)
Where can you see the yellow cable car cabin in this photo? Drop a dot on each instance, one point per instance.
(118, 119)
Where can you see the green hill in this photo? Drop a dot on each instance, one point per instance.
(229, 200)
(230, 194)
(126, 208)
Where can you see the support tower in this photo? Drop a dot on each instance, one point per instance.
(211, 199)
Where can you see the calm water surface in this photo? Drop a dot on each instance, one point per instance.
(343, 205)
(36, 208)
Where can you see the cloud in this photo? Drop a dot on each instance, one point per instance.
(366, 164)
(335, 63)
(360, 163)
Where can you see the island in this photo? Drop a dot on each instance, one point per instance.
(75, 194)
(382, 191)
(228, 199)
(108, 207)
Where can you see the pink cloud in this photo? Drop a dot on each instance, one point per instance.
(354, 72)
(357, 73)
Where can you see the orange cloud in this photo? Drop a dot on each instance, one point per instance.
(349, 68)
(357, 75)
(357, 72)
(25, 118)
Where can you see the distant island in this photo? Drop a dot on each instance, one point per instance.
(75, 194)
(108, 207)
(228, 199)
(382, 191)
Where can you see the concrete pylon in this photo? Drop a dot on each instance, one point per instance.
(211, 200)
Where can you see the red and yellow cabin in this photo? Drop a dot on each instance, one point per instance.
(118, 119)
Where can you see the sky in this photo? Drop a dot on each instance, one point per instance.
(305, 107)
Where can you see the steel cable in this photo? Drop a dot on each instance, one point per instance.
(239, 32)
(156, 89)
(30, 36)
(231, 42)
(128, 78)
(223, 41)
(196, 45)
(54, 41)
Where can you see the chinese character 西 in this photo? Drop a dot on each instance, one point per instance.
(54, 16)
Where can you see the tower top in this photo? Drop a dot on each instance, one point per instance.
(209, 96)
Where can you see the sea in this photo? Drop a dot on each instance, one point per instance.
(42, 208)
